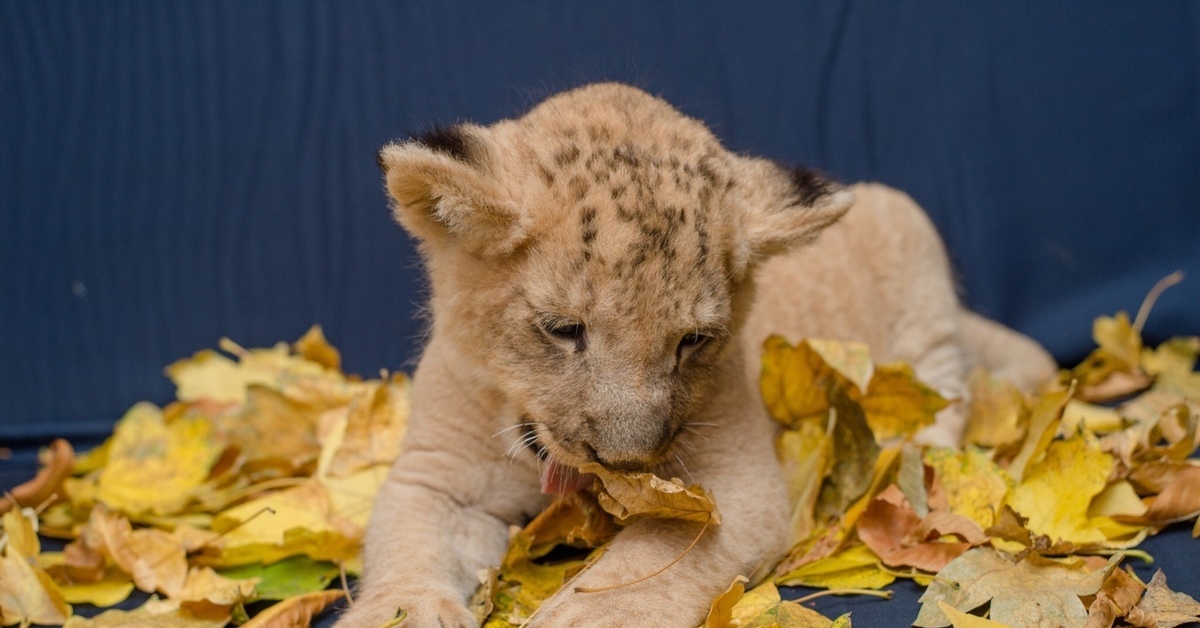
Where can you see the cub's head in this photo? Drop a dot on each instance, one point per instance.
(590, 260)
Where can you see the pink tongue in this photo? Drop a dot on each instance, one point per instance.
(557, 478)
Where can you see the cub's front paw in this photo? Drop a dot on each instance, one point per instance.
(422, 613)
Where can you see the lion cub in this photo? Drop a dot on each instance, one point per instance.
(603, 275)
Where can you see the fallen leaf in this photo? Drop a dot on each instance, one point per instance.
(974, 486)
(851, 360)
(572, 519)
(287, 578)
(28, 594)
(1117, 500)
(635, 494)
(805, 454)
(45, 487)
(1055, 495)
(1179, 500)
(375, 423)
(149, 615)
(795, 381)
(720, 612)
(1031, 592)
(313, 347)
(1115, 599)
(1168, 608)
(959, 619)
(155, 467)
(856, 452)
(153, 558)
(762, 607)
(856, 567)
(997, 414)
(1043, 425)
(892, 529)
(212, 377)
(897, 404)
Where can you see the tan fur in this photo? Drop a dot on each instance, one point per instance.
(606, 208)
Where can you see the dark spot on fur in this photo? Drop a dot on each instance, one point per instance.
(617, 191)
(809, 186)
(546, 174)
(567, 156)
(449, 140)
(579, 187)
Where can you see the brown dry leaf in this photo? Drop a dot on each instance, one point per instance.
(1113, 370)
(1031, 592)
(897, 404)
(313, 347)
(573, 519)
(1168, 608)
(899, 537)
(46, 486)
(154, 559)
(296, 611)
(1115, 599)
(155, 467)
(1179, 499)
(631, 494)
(270, 429)
(27, 593)
(374, 428)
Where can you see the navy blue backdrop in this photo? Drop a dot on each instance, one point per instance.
(172, 172)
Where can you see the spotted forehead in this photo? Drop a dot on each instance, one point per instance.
(644, 227)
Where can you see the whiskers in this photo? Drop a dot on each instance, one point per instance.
(683, 448)
(528, 440)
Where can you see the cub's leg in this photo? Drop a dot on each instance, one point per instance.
(443, 513)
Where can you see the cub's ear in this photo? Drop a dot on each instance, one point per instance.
(781, 209)
(445, 192)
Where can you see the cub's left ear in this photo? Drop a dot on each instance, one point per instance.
(781, 209)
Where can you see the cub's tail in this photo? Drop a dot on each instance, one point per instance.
(1005, 353)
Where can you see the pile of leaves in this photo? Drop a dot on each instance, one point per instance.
(245, 499)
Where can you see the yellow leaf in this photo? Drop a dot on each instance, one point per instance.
(997, 414)
(20, 532)
(210, 376)
(853, 568)
(313, 347)
(1117, 337)
(156, 467)
(1055, 494)
(1043, 425)
(720, 612)
(295, 611)
(270, 428)
(897, 404)
(974, 485)
(375, 424)
(635, 494)
(113, 589)
(297, 520)
(805, 454)
(761, 607)
(1094, 418)
(1117, 500)
(959, 619)
(795, 381)
(852, 360)
(152, 614)
(204, 584)
(352, 497)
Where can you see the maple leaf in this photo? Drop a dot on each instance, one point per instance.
(1113, 370)
(997, 414)
(313, 346)
(972, 483)
(795, 381)
(1029, 592)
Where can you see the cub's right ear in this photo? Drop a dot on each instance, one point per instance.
(444, 191)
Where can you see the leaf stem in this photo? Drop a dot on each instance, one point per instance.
(887, 595)
(649, 576)
(1152, 297)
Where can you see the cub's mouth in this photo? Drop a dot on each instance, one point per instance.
(559, 467)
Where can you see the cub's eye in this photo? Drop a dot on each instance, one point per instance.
(566, 332)
(691, 343)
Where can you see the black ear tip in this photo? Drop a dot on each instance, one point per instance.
(451, 140)
(810, 185)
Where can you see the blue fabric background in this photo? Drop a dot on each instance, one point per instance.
(174, 172)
